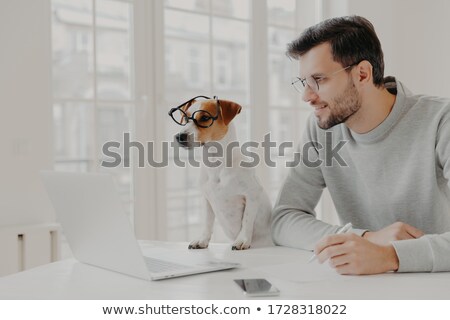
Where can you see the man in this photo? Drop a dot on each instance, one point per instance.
(393, 183)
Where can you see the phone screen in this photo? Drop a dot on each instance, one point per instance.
(257, 287)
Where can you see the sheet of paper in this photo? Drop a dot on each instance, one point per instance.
(301, 271)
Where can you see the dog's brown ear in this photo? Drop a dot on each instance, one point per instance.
(229, 110)
(187, 105)
(184, 108)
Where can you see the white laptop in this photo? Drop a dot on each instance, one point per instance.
(94, 222)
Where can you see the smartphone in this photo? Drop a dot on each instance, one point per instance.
(257, 287)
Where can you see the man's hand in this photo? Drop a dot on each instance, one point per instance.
(349, 253)
(396, 231)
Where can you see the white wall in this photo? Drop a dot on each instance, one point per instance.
(26, 111)
(414, 35)
(412, 29)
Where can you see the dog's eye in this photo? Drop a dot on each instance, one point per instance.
(204, 118)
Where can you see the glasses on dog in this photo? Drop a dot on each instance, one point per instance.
(312, 82)
(201, 118)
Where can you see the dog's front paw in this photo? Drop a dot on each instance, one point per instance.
(241, 244)
(199, 244)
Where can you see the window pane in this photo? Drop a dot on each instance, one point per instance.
(281, 12)
(285, 126)
(113, 22)
(73, 123)
(193, 5)
(184, 200)
(231, 8)
(72, 46)
(231, 60)
(281, 68)
(112, 123)
(190, 26)
(187, 58)
(187, 72)
(242, 124)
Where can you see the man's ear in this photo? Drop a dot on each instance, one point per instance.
(229, 110)
(365, 71)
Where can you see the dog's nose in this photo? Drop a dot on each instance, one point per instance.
(182, 137)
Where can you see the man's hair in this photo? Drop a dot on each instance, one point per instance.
(352, 40)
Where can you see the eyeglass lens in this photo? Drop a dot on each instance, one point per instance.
(200, 117)
(300, 84)
(180, 117)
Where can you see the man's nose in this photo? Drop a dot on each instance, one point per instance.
(308, 94)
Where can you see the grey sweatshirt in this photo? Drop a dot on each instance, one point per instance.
(399, 171)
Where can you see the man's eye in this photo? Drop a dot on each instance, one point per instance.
(318, 80)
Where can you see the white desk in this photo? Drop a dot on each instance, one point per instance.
(69, 279)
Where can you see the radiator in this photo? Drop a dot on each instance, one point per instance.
(26, 246)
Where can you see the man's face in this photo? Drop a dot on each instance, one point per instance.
(337, 99)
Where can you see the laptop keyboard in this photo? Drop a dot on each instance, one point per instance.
(156, 265)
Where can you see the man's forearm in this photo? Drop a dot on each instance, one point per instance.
(297, 229)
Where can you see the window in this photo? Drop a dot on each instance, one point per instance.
(92, 84)
(224, 69)
(119, 65)
(193, 74)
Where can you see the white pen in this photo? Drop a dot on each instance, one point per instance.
(344, 229)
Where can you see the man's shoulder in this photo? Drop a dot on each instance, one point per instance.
(419, 102)
(429, 106)
(429, 100)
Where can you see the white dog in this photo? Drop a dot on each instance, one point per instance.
(232, 192)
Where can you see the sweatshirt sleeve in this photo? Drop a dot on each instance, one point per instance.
(431, 253)
(294, 222)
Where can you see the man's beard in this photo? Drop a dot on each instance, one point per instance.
(342, 107)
